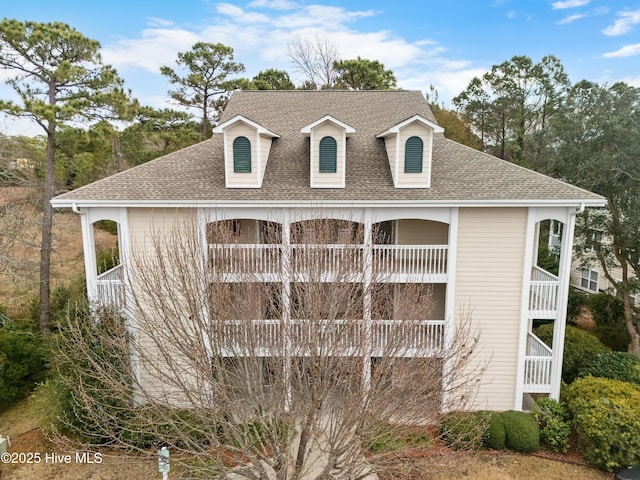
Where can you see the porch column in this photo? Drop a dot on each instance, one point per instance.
(366, 315)
(89, 250)
(286, 276)
(559, 327)
(449, 309)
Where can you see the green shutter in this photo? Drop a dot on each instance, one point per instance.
(413, 155)
(328, 155)
(242, 155)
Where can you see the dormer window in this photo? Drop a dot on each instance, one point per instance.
(246, 151)
(409, 146)
(413, 155)
(241, 155)
(327, 152)
(328, 155)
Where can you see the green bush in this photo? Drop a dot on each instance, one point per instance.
(464, 430)
(580, 349)
(608, 313)
(553, 421)
(605, 415)
(615, 366)
(495, 436)
(576, 300)
(522, 434)
(22, 361)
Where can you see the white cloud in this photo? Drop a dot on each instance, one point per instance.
(569, 4)
(158, 22)
(624, 24)
(633, 81)
(626, 51)
(273, 4)
(239, 15)
(570, 19)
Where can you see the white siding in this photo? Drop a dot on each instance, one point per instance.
(490, 258)
(240, 180)
(327, 180)
(415, 179)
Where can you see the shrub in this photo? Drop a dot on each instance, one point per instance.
(553, 420)
(605, 415)
(615, 366)
(575, 302)
(608, 313)
(580, 349)
(495, 436)
(521, 430)
(464, 430)
(22, 361)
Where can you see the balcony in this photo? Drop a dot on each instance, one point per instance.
(537, 366)
(400, 338)
(543, 294)
(110, 291)
(399, 263)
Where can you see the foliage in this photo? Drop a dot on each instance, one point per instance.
(521, 431)
(593, 143)
(455, 128)
(105, 345)
(581, 348)
(576, 301)
(554, 424)
(495, 437)
(363, 74)
(465, 430)
(272, 79)
(608, 313)
(621, 366)
(23, 361)
(387, 438)
(513, 102)
(58, 77)
(605, 415)
(207, 67)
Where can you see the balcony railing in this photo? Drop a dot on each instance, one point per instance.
(543, 294)
(537, 366)
(110, 291)
(401, 338)
(416, 262)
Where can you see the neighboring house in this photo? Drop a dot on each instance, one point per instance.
(464, 222)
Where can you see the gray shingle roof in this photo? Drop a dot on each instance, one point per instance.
(196, 173)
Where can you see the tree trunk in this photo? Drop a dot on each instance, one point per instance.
(634, 346)
(47, 226)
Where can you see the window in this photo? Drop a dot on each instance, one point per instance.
(328, 155)
(242, 155)
(413, 155)
(589, 280)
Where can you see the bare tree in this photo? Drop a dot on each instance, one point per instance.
(295, 358)
(314, 58)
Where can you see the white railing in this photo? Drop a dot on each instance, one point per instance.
(110, 291)
(245, 258)
(537, 366)
(333, 259)
(410, 259)
(543, 294)
(331, 337)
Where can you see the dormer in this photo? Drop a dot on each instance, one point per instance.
(246, 151)
(409, 147)
(328, 151)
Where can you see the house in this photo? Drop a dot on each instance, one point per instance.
(460, 221)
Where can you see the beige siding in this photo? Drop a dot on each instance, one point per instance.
(422, 232)
(418, 130)
(265, 148)
(390, 144)
(242, 179)
(147, 227)
(327, 179)
(491, 243)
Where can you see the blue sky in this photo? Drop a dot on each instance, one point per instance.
(424, 42)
